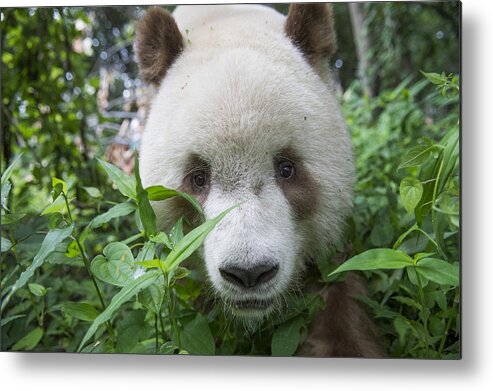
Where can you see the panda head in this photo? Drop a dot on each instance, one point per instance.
(244, 115)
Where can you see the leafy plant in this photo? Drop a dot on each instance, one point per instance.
(419, 299)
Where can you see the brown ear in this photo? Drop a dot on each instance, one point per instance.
(158, 43)
(311, 28)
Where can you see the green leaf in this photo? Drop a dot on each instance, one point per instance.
(8, 171)
(417, 156)
(37, 290)
(5, 244)
(413, 277)
(286, 338)
(93, 192)
(411, 191)
(402, 326)
(147, 215)
(168, 348)
(439, 271)
(57, 206)
(119, 210)
(151, 263)
(380, 258)
(180, 272)
(5, 190)
(435, 78)
(30, 340)
(161, 193)
(192, 241)
(10, 218)
(130, 330)
(50, 241)
(116, 266)
(63, 184)
(162, 238)
(196, 337)
(9, 319)
(125, 294)
(176, 233)
(152, 298)
(125, 183)
(82, 311)
(73, 250)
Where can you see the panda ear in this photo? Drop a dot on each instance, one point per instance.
(158, 43)
(311, 28)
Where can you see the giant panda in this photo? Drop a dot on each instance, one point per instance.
(244, 114)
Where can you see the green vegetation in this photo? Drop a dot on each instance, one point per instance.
(84, 267)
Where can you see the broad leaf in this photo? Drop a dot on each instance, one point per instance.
(411, 191)
(82, 311)
(30, 340)
(380, 258)
(286, 338)
(130, 330)
(119, 210)
(152, 298)
(125, 183)
(192, 241)
(417, 156)
(62, 185)
(50, 241)
(10, 218)
(93, 192)
(161, 193)
(146, 213)
(116, 266)
(125, 294)
(57, 206)
(196, 337)
(37, 290)
(5, 244)
(439, 271)
(162, 238)
(8, 171)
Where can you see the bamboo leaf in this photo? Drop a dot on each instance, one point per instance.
(380, 258)
(125, 183)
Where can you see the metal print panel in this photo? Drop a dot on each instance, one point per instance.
(232, 180)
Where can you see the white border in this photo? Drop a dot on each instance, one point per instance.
(114, 372)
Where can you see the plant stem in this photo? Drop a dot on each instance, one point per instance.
(171, 311)
(87, 265)
(445, 333)
(162, 326)
(132, 238)
(424, 317)
(157, 332)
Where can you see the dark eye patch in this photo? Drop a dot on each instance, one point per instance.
(196, 178)
(192, 184)
(296, 182)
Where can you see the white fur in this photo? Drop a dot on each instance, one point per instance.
(238, 94)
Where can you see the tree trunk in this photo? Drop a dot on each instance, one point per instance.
(363, 44)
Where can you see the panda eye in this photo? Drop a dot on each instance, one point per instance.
(285, 169)
(199, 178)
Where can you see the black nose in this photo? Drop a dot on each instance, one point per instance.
(249, 278)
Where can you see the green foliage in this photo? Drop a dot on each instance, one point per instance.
(407, 206)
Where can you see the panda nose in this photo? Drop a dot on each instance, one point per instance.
(249, 278)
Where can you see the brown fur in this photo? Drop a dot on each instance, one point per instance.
(301, 190)
(158, 44)
(343, 328)
(180, 206)
(311, 28)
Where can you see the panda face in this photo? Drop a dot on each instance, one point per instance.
(243, 119)
(252, 256)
